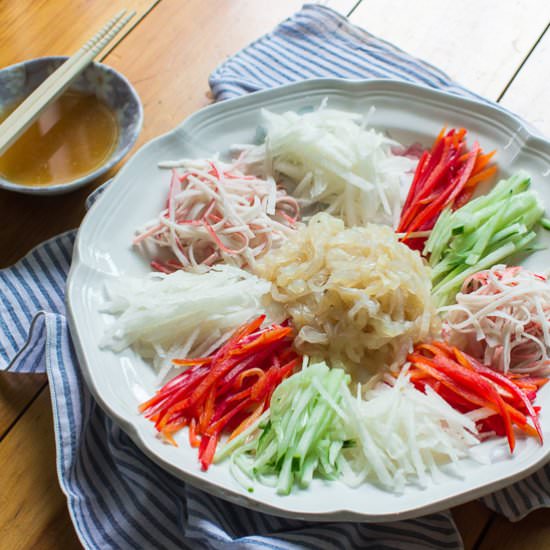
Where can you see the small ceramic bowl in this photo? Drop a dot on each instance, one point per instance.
(18, 81)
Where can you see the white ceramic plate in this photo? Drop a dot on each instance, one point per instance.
(120, 382)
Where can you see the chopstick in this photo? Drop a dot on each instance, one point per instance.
(50, 83)
(59, 81)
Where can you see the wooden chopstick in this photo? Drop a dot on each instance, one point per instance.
(50, 83)
(59, 81)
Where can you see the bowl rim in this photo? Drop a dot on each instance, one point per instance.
(116, 157)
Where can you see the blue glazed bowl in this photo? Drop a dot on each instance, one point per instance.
(18, 81)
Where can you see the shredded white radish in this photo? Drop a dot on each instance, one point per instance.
(502, 317)
(182, 314)
(334, 162)
(403, 435)
(216, 213)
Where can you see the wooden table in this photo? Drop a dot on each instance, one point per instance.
(498, 48)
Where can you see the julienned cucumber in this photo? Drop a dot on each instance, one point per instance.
(481, 234)
(300, 437)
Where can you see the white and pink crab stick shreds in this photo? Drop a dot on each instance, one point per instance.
(502, 316)
(215, 213)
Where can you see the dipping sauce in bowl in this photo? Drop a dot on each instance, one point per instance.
(78, 138)
(73, 137)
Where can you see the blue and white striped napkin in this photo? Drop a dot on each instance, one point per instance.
(117, 497)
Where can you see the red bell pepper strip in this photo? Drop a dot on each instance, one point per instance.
(216, 372)
(248, 421)
(433, 178)
(172, 391)
(415, 181)
(465, 383)
(232, 386)
(240, 396)
(220, 423)
(464, 394)
(265, 338)
(248, 373)
(208, 410)
(221, 364)
(529, 381)
(444, 177)
(194, 441)
(482, 161)
(477, 383)
(448, 196)
(514, 390)
(207, 449)
(192, 362)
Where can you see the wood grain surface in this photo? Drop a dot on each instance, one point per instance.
(34, 510)
(36, 28)
(532, 533)
(15, 393)
(528, 95)
(495, 48)
(479, 44)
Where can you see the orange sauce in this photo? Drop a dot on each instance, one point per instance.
(73, 137)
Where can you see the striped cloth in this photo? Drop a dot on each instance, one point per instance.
(117, 497)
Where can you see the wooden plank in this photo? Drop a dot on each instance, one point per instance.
(345, 7)
(35, 28)
(479, 44)
(27, 33)
(470, 519)
(532, 533)
(16, 391)
(33, 507)
(528, 93)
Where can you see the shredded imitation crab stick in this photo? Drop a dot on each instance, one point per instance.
(216, 213)
(502, 317)
(447, 175)
(468, 385)
(229, 389)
